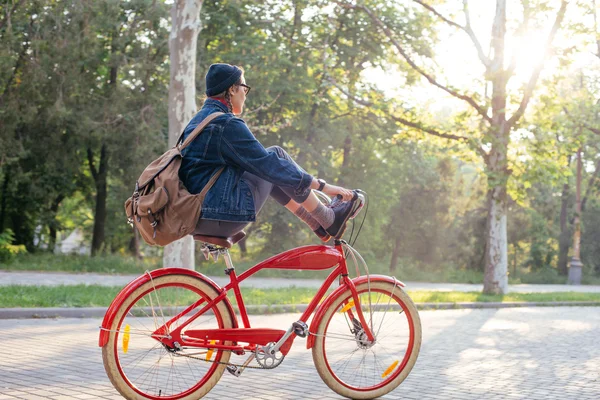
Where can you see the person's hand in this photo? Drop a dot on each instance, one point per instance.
(332, 190)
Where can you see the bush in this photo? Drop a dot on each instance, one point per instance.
(9, 251)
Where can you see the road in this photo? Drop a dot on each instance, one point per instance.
(61, 278)
(518, 353)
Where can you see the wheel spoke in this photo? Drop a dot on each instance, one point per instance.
(355, 363)
(145, 365)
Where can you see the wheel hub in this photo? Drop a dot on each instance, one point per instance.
(362, 340)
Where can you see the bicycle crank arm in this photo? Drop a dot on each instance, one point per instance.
(283, 341)
(237, 371)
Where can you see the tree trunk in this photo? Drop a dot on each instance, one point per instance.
(515, 260)
(100, 176)
(496, 264)
(4, 196)
(577, 219)
(53, 225)
(185, 26)
(134, 244)
(496, 250)
(564, 239)
(243, 248)
(395, 254)
(345, 160)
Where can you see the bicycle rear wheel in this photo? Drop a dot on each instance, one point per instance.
(351, 365)
(139, 366)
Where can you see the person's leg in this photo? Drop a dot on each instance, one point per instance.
(325, 216)
(282, 198)
(260, 192)
(309, 202)
(260, 188)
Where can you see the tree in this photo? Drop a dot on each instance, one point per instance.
(496, 127)
(185, 26)
(80, 100)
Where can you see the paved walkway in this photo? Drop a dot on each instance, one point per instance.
(57, 278)
(525, 353)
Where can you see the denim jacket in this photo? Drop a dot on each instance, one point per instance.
(228, 142)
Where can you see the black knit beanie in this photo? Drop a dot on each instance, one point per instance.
(220, 77)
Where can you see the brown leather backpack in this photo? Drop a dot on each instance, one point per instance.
(161, 207)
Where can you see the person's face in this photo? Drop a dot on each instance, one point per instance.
(238, 97)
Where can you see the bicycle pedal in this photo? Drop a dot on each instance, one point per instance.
(237, 371)
(233, 370)
(300, 329)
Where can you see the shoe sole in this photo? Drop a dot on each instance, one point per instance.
(355, 207)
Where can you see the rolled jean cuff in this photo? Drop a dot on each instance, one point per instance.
(303, 189)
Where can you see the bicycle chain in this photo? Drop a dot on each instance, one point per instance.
(227, 363)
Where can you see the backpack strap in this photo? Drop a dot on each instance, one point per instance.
(209, 184)
(197, 131)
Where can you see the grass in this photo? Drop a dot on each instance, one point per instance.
(112, 264)
(102, 296)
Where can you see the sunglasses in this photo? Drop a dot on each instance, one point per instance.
(246, 88)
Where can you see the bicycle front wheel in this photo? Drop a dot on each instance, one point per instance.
(348, 362)
(141, 367)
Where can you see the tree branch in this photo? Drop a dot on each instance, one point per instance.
(9, 13)
(427, 76)
(585, 125)
(593, 130)
(20, 60)
(263, 106)
(103, 160)
(417, 125)
(538, 69)
(467, 28)
(434, 11)
(90, 157)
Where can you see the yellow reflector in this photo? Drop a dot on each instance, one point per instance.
(126, 338)
(347, 306)
(390, 369)
(209, 353)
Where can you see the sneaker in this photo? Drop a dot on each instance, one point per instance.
(343, 211)
(336, 199)
(322, 234)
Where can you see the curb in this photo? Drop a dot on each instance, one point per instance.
(98, 312)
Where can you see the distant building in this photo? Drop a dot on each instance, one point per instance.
(75, 242)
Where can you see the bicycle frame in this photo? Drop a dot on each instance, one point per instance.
(307, 257)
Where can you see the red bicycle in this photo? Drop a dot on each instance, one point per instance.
(170, 333)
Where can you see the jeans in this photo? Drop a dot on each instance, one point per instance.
(261, 190)
(227, 142)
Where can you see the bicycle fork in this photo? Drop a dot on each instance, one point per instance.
(355, 303)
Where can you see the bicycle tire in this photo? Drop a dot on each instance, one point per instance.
(355, 377)
(122, 368)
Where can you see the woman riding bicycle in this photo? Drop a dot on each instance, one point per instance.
(252, 172)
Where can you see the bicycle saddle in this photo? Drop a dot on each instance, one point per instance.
(225, 242)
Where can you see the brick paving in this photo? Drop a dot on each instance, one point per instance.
(61, 278)
(524, 353)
